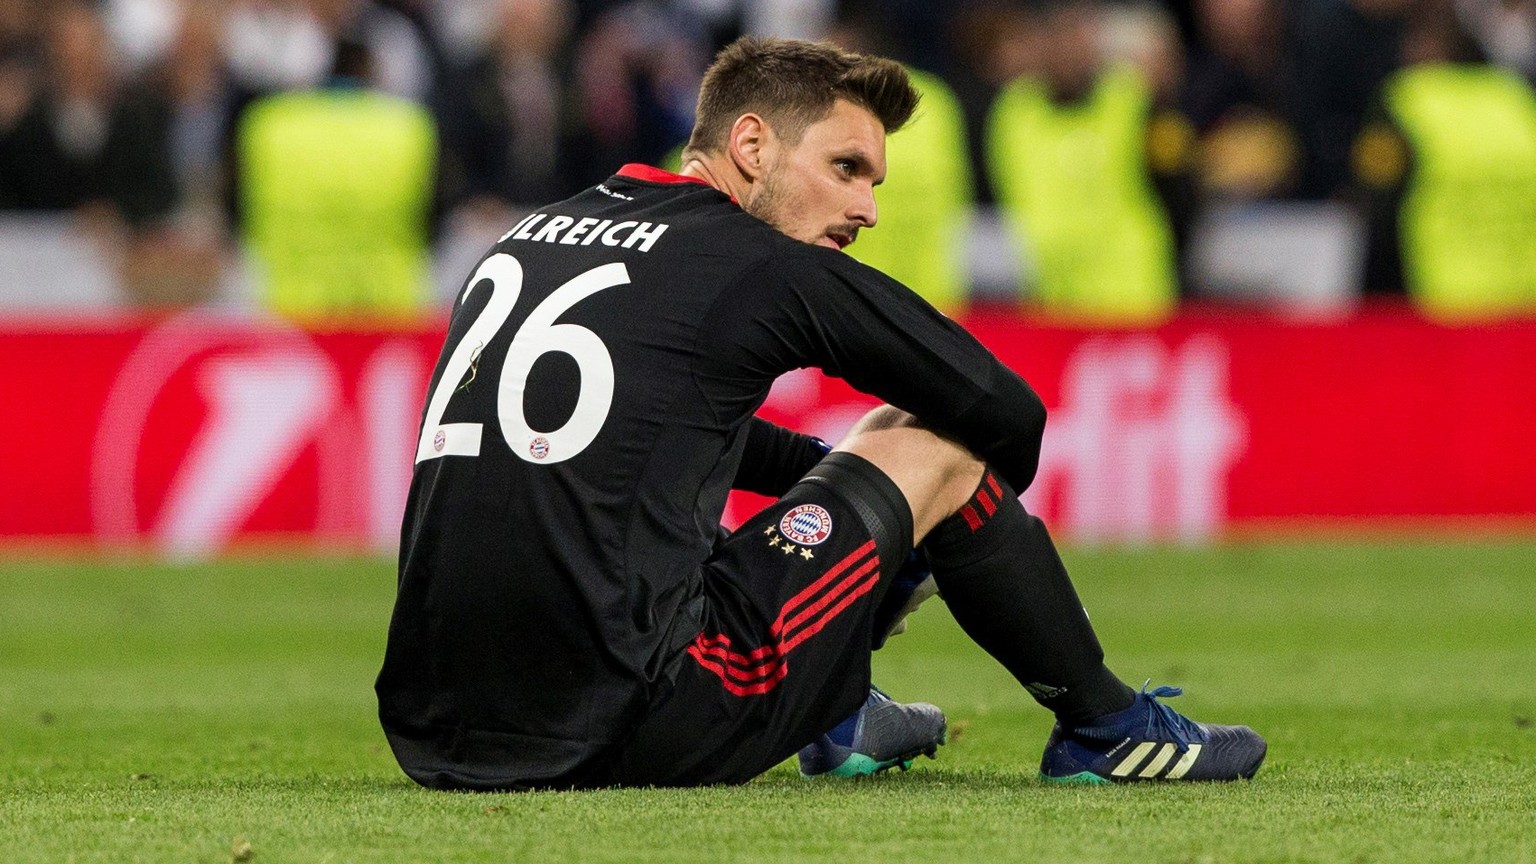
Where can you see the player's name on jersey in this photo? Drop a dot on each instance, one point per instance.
(571, 231)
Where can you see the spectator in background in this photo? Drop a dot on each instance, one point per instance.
(20, 84)
(18, 21)
(51, 152)
(789, 19)
(926, 199)
(636, 77)
(1340, 53)
(398, 35)
(336, 191)
(277, 45)
(1448, 168)
(1073, 170)
(166, 157)
(1238, 100)
(993, 42)
(1506, 30)
(910, 27)
(1144, 36)
(501, 115)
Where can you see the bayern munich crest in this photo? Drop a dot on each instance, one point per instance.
(439, 441)
(538, 448)
(807, 525)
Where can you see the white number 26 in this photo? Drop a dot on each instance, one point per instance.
(538, 335)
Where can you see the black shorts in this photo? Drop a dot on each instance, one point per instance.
(790, 602)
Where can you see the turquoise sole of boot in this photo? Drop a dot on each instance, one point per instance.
(1081, 778)
(859, 765)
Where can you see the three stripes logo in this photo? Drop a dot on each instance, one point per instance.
(1162, 757)
(758, 671)
(982, 505)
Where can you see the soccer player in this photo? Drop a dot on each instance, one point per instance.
(570, 613)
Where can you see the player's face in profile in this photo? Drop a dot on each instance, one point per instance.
(821, 190)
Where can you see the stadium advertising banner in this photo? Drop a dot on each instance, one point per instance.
(193, 433)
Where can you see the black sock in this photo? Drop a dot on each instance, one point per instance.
(999, 573)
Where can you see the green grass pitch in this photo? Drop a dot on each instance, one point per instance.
(224, 712)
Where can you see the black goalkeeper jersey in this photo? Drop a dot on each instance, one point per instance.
(590, 411)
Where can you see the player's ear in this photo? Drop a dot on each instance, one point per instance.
(750, 145)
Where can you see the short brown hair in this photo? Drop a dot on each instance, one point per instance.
(793, 84)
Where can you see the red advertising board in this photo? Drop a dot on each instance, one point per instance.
(190, 433)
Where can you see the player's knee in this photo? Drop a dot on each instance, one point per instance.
(890, 428)
(936, 473)
(883, 418)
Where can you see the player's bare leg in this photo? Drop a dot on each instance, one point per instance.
(938, 475)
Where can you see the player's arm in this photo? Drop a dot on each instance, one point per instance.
(775, 458)
(860, 325)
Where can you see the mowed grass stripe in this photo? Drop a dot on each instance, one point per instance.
(158, 713)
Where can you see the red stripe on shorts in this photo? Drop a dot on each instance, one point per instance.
(804, 615)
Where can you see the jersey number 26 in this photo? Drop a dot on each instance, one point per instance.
(538, 335)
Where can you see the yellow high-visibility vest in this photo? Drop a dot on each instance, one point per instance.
(925, 201)
(1468, 218)
(336, 189)
(1074, 183)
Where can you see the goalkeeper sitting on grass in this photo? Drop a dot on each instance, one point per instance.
(569, 613)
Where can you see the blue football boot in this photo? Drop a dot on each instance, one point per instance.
(1150, 741)
(881, 735)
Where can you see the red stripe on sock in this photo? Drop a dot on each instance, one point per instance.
(971, 518)
(997, 490)
(986, 502)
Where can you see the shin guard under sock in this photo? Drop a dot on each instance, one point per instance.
(999, 573)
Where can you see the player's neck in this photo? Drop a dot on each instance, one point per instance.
(718, 173)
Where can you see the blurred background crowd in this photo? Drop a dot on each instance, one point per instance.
(1097, 160)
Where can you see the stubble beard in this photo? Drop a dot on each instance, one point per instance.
(769, 203)
(774, 204)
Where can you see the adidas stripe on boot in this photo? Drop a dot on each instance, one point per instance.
(1150, 741)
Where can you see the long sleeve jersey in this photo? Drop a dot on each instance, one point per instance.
(586, 420)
